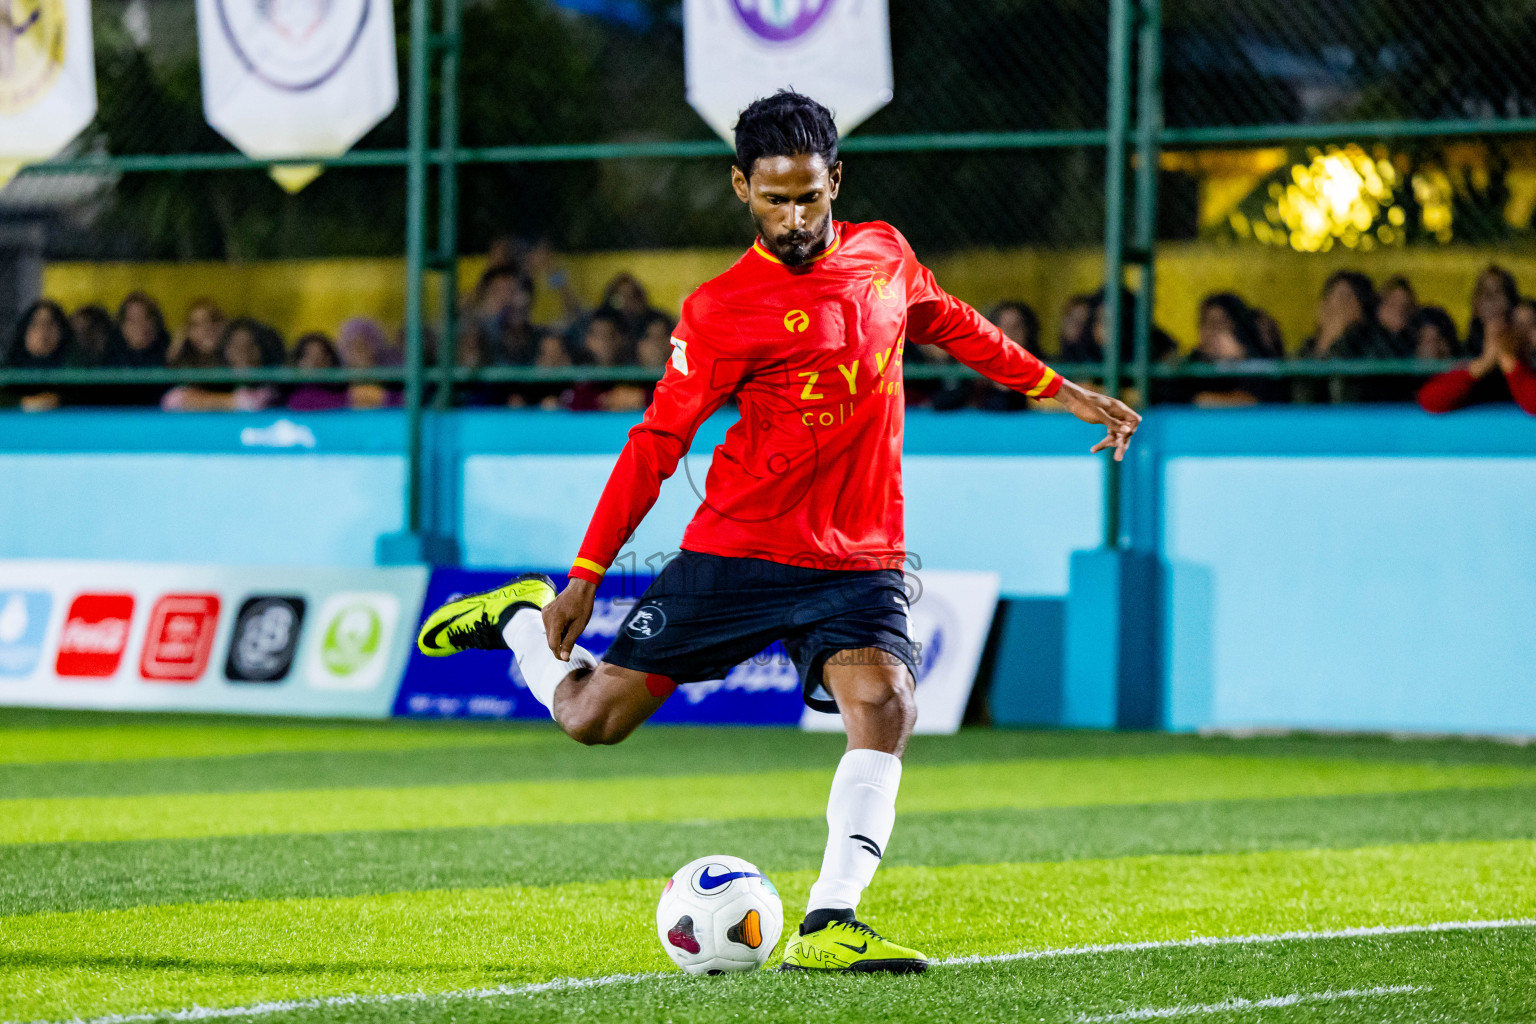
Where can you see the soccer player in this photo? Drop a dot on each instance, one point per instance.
(800, 534)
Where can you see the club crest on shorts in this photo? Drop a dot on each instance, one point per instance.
(647, 622)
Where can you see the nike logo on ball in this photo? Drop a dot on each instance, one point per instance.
(709, 881)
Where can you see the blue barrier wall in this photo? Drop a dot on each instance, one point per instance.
(1317, 568)
(213, 488)
(1347, 569)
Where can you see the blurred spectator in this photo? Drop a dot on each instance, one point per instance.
(552, 354)
(540, 263)
(1346, 320)
(314, 351)
(247, 345)
(1021, 326)
(198, 346)
(939, 395)
(362, 345)
(499, 319)
(1271, 341)
(655, 345)
(652, 352)
(1395, 310)
(1089, 347)
(1229, 334)
(94, 328)
(1076, 316)
(625, 297)
(142, 340)
(1434, 334)
(1346, 329)
(1493, 298)
(42, 340)
(1501, 372)
(140, 343)
(603, 345)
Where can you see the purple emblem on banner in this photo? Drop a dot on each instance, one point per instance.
(781, 21)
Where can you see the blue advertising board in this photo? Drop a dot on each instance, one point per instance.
(764, 690)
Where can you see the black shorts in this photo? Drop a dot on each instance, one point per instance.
(706, 614)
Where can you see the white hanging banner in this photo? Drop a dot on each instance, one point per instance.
(838, 52)
(47, 79)
(286, 78)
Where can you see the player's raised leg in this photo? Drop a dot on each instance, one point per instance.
(874, 692)
(593, 702)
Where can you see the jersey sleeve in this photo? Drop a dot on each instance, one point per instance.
(695, 383)
(934, 317)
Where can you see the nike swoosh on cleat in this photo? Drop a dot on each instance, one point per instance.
(709, 881)
(430, 640)
(860, 949)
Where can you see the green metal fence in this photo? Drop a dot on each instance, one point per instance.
(1046, 121)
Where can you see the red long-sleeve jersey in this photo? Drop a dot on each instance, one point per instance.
(811, 473)
(1456, 389)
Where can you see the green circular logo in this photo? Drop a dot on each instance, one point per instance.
(351, 640)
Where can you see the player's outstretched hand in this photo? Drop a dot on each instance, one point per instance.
(1120, 420)
(567, 615)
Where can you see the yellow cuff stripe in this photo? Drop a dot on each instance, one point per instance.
(1045, 382)
(589, 565)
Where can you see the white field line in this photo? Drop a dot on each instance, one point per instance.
(196, 1013)
(1238, 1003)
(1244, 940)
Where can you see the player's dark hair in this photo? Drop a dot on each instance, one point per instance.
(784, 124)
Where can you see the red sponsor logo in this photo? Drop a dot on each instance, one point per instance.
(94, 635)
(180, 637)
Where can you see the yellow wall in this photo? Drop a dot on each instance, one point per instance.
(304, 295)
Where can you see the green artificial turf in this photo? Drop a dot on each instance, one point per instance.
(150, 863)
(1029, 783)
(81, 876)
(1460, 977)
(91, 962)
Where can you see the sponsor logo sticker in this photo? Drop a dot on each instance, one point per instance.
(647, 621)
(94, 636)
(265, 639)
(350, 647)
(180, 638)
(23, 622)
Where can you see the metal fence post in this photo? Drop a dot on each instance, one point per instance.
(1149, 124)
(450, 42)
(416, 543)
(1118, 123)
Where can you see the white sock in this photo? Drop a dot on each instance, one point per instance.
(541, 670)
(860, 814)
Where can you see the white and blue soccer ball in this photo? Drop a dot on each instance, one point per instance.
(719, 914)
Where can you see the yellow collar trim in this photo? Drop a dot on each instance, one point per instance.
(762, 250)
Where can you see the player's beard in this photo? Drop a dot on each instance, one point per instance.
(796, 248)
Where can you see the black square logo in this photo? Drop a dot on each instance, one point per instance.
(264, 640)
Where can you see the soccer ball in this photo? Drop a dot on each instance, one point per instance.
(719, 914)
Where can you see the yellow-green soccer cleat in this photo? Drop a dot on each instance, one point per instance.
(850, 946)
(475, 621)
